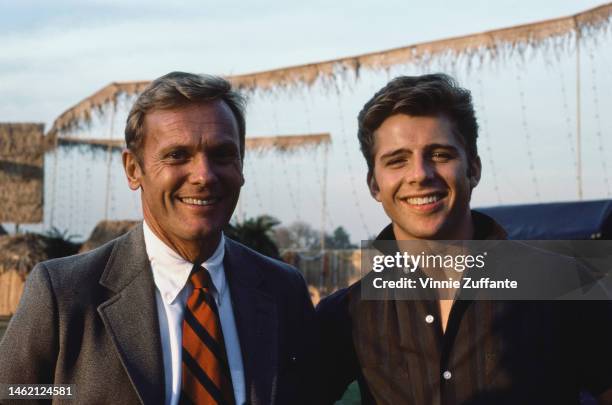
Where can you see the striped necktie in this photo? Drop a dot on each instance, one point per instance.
(205, 370)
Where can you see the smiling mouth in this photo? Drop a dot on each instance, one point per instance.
(197, 201)
(425, 200)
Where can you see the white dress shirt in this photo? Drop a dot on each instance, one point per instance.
(171, 276)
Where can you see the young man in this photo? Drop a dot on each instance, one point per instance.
(174, 311)
(418, 136)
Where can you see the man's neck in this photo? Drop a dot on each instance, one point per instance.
(463, 230)
(193, 251)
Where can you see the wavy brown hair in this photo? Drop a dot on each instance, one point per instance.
(178, 89)
(427, 95)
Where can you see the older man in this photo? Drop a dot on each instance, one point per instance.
(418, 136)
(173, 311)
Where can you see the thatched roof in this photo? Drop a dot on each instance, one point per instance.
(21, 172)
(286, 143)
(279, 144)
(22, 252)
(106, 231)
(93, 143)
(490, 43)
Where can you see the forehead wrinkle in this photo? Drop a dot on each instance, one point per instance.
(437, 135)
(184, 130)
(190, 127)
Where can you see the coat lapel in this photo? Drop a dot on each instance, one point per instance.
(256, 321)
(130, 316)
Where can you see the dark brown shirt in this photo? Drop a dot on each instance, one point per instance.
(493, 352)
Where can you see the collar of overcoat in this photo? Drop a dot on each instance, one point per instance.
(130, 316)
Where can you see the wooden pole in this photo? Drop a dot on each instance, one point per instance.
(108, 164)
(578, 123)
(53, 181)
(323, 209)
(323, 197)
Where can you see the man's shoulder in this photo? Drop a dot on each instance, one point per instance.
(336, 305)
(347, 305)
(73, 271)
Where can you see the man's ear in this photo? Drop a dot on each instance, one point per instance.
(475, 171)
(373, 186)
(132, 168)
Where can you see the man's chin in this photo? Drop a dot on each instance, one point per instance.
(425, 232)
(200, 233)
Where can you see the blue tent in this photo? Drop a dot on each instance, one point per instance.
(564, 221)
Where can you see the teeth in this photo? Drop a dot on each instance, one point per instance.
(196, 201)
(423, 200)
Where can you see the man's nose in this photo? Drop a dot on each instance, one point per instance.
(420, 170)
(202, 170)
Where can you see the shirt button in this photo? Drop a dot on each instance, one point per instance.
(429, 318)
(447, 375)
(168, 296)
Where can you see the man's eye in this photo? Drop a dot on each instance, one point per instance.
(441, 156)
(176, 155)
(227, 155)
(395, 162)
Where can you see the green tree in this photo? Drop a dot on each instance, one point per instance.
(256, 233)
(298, 235)
(339, 239)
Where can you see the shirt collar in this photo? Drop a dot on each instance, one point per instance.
(171, 272)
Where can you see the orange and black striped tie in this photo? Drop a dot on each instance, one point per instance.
(205, 370)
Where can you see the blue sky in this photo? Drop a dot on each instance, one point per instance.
(54, 54)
